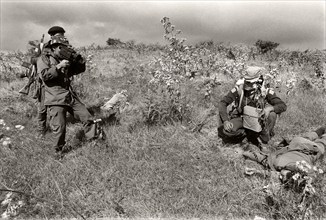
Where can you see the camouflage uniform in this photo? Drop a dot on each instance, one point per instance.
(41, 110)
(60, 98)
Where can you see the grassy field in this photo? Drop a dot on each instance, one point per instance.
(163, 159)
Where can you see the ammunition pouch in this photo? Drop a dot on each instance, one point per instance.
(252, 118)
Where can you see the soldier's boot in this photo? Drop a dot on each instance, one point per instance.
(78, 139)
(66, 149)
(320, 131)
(58, 153)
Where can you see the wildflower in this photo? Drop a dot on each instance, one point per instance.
(20, 127)
(303, 166)
(2, 122)
(309, 188)
(266, 187)
(320, 171)
(7, 199)
(296, 176)
(5, 215)
(259, 218)
(6, 143)
(250, 171)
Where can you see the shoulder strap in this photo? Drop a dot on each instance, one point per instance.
(240, 92)
(46, 59)
(47, 56)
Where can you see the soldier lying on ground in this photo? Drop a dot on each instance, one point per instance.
(308, 147)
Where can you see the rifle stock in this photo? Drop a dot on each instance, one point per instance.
(31, 80)
(25, 89)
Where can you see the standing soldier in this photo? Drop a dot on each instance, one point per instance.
(249, 110)
(41, 110)
(56, 72)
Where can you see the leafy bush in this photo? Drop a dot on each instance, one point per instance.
(265, 46)
(113, 42)
(175, 168)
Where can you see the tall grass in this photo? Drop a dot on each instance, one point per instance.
(144, 169)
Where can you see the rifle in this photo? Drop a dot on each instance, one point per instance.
(32, 69)
(31, 77)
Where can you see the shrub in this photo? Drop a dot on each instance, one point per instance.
(114, 42)
(265, 46)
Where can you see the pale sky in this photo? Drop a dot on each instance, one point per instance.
(294, 24)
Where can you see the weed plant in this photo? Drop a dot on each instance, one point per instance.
(163, 159)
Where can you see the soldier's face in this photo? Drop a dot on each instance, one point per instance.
(249, 88)
(56, 50)
(57, 34)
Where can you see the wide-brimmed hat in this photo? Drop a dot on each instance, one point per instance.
(253, 73)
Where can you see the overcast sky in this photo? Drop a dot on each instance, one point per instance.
(293, 24)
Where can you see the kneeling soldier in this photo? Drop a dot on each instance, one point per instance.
(249, 110)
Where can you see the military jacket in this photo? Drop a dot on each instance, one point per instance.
(56, 83)
(229, 105)
(308, 148)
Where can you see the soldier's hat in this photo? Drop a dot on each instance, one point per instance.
(56, 29)
(253, 76)
(253, 73)
(59, 40)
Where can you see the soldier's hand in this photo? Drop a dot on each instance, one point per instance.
(228, 126)
(268, 110)
(63, 64)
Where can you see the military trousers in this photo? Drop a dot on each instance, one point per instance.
(268, 131)
(41, 112)
(58, 121)
(238, 132)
